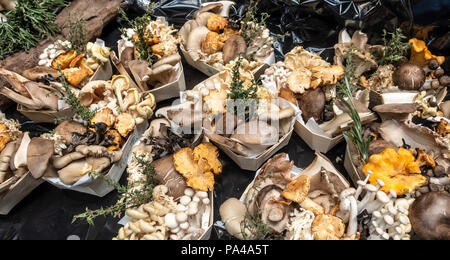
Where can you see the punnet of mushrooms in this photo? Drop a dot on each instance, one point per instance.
(148, 52)
(212, 39)
(242, 117)
(284, 202)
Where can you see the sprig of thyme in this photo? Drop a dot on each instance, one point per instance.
(395, 49)
(128, 197)
(239, 94)
(344, 88)
(73, 101)
(77, 35)
(144, 35)
(251, 25)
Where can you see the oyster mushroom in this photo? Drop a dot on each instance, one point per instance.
(39, 152)
(256, 133)
(74, 171)
(409, 77)
(273, 213)
(312, 104)
(213, 7)
(66, 128)
(40, 72)
(5, 157)
(94, 91)
(194, 42)
(19, 158)
(167, 175)
(429, 216)
(233, 47)
(399, 112)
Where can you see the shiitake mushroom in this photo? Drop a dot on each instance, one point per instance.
(409, 77)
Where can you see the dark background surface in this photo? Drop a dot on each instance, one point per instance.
(47, 212)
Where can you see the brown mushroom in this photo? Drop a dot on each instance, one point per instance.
(273, 213)
(39, 152)
(67, 128)
(168, 176)
(312, 104)
(429, 216)
(39, 72)
(399, 112)
(379, 145)
(234, 46)
(409, 77)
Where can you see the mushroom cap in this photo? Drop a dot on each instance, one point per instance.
(327, 227)
(234, 46)
(256, 132)
(398, 112)
(312, 104)
(66, 128)
(430, 216)
(409, 77)
(273, 213)
(39, 72)
(39, 152)
(298, 189)
(214, 8)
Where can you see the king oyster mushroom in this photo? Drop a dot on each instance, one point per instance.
(399, 112)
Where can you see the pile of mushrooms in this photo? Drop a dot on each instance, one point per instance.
(39, 88)
(213, 38)
(208, 105)
(20, 155)
(292, 205)
(304, 78)
(118, 96)
(166, 60)
(178, 211)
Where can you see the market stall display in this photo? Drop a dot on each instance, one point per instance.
(221, 161)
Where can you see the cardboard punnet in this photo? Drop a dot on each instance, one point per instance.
(24, 186)
(104, 72)
(316, 141)
(99, 187)
(209, 70)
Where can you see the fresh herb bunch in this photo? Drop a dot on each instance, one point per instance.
(144, 36)
(73, 101)
(77, 35)
(128, 198)
(238, 91)
(29, 22)
(251, 25)
(395, 49)
(345, 91)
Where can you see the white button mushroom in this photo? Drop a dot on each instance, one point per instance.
(170, 221)
(181, 217)
(196, 199)
(205, 201)
(185, 200)
(189, 192)
(201, 194)
(184, 225)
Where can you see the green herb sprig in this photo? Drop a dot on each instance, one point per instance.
(345, 90)
(27, 24)
(77, 35)
(395, 48)
(128, 198)
(73, 101)
(238, 92)
(139, 25)
(251, 25)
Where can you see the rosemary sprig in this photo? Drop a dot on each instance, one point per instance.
(29, 22)
(73, 101)
(251, 25)
(395, 49)
(344, 88)
(128, 197)
(144, 36)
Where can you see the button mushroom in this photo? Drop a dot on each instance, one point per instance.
(409, 77)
